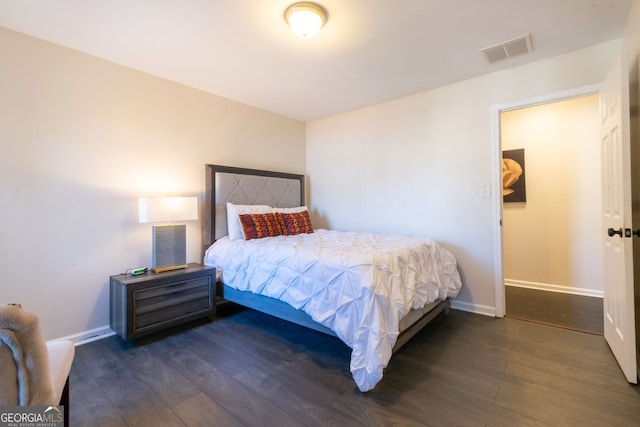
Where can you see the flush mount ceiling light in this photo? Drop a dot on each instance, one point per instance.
(305, 19)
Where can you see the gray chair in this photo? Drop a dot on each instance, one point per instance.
(33, 372)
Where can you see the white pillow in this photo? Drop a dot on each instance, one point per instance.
(291, 210)
(234, 227)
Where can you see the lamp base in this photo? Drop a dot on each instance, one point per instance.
(169, 248)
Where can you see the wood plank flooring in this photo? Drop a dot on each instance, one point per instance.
(249, 369)
(570, 311)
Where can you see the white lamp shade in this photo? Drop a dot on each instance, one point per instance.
(166, 209)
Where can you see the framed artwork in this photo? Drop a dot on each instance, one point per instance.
(513, 179)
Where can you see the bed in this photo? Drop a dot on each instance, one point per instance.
(373, 291)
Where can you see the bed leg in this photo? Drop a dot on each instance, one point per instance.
(447, 307)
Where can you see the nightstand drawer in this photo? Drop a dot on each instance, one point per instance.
(166, 303)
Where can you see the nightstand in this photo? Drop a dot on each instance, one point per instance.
(150, 302)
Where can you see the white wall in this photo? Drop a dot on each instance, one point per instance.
(416, 165)
(631, 37)
(80, 140)
(552, 240)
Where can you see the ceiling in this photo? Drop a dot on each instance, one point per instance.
(369, 51)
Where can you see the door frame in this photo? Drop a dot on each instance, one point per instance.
(496, 110)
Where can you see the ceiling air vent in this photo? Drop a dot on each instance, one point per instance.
(507, 49)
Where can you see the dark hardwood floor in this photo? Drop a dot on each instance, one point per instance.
(249, 369)
(577, 312)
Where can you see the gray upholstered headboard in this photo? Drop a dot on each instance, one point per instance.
(245, 187)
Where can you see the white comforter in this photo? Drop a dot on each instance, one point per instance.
(357, 284)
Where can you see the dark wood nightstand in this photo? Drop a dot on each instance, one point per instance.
(150, 302)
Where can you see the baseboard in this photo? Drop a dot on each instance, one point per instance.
(105, 331)
(89, 336)
(473, 308)
(554, 288)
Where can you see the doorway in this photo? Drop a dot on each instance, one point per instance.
(552, 253)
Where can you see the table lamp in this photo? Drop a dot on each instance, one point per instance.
(169, 241)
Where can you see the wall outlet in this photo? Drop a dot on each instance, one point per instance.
(485, 192)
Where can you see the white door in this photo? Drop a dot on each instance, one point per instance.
(619, 327)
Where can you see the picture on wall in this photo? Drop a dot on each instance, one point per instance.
(513, 183)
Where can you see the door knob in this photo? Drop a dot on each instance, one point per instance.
(629, 232)
(611, 232)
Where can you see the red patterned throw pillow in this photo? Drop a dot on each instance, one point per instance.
(295, 223)
(257, 226)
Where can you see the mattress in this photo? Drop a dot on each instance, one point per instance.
(359, 285)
